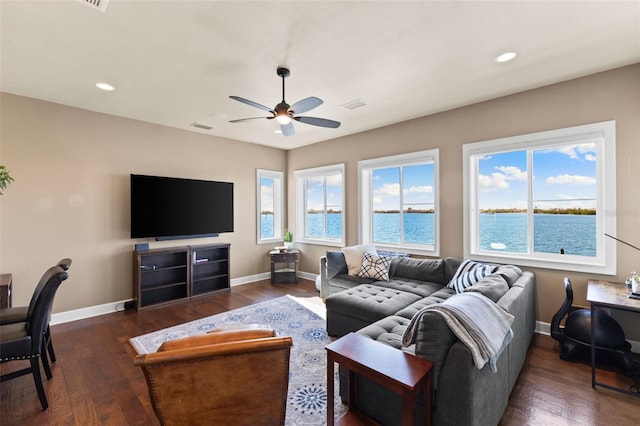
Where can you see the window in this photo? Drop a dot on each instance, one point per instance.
(270, 189)
(539, 199)
(319, 205)
(399, 202)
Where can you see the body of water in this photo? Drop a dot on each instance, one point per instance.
(574, 234)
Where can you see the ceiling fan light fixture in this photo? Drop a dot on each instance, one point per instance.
(283, 119)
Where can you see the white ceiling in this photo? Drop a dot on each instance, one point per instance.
(176, 62)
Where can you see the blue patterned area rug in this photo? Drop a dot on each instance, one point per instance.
(300, 318)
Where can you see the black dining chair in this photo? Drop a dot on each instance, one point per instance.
(24, 340)
(21, 313)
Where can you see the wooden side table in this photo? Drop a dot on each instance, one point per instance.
(394, 369)
(5, 290)
(288, 258)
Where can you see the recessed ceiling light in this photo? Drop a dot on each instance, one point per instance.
(506, 57)
(277, 131)
(105, 86)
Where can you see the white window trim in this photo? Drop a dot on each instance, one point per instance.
(301, 197)
(278, 205)
(605, 261)
(365, 168)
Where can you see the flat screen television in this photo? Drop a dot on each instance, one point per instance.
(167, 208)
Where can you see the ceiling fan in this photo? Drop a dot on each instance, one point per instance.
(285, 113)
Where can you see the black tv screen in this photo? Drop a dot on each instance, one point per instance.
(170, 208)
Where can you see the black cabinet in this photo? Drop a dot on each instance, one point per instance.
(172, 274)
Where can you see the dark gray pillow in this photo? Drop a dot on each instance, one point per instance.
(336, 264)
(510, 273)
(492, 286)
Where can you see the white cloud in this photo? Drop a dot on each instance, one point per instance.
(583, 148)
(501, 180)
(388, 189)
(570, 179)
(493, 182)
(377, 200)
(424, 189)
(513, 172)
(590, 157)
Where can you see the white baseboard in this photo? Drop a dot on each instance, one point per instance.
(108, 308)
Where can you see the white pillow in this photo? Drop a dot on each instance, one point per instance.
(469, 272)
(353, 256)
(376, 267)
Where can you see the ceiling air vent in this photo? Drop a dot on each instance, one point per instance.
(354, 104)
(101, 5)
(201, 126)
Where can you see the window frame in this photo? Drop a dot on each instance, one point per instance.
(365, 202)
(301, 177)
(604, 134)
(278, 205)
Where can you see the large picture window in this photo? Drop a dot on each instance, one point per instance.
(270, 189)
(319, 205)
(540, 199)
(398, 202)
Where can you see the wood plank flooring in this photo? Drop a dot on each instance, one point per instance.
(95, 383)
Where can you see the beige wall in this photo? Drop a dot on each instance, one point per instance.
(70, 197)
(71, 167)
(613, 95)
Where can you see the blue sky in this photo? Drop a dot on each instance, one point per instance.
(315, 192)
(563, 177)
(417, 187)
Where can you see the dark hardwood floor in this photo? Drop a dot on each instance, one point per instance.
(95, 383)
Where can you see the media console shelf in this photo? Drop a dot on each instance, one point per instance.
(210, 268)
(172, 274)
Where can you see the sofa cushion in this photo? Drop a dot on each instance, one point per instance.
(469, 272)
(374, 266)
(346, 281)
(430, 270)
(368, 303)
(353, 256)
(510, 273)
(421, 288)
(388, 330)
(493, 286)
(438, 296)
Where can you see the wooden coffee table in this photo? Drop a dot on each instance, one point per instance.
(394, 369)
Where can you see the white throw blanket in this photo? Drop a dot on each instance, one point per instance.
(483, 326)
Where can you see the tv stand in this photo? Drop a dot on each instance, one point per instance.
(174, 274)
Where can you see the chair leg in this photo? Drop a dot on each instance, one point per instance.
(47, 336)
(45, 360)
(35, 370)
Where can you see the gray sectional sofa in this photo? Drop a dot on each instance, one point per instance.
(381, 310)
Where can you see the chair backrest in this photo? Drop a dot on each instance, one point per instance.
(38, 319)
(64, 264)
(563, 311)
(230, 383)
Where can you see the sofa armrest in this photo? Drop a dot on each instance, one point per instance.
(324, 280)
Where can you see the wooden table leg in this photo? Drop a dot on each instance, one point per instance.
(330, 389)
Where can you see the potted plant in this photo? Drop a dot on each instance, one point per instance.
(5, 178)
(288, 239)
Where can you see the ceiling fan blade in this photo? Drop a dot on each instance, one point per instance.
(322, 122)
(305, 105)
(253, 104)
(288, 129)
(240, 120)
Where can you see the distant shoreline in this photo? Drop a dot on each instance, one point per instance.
(580, 212)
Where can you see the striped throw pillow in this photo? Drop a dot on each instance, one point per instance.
(469, 272)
